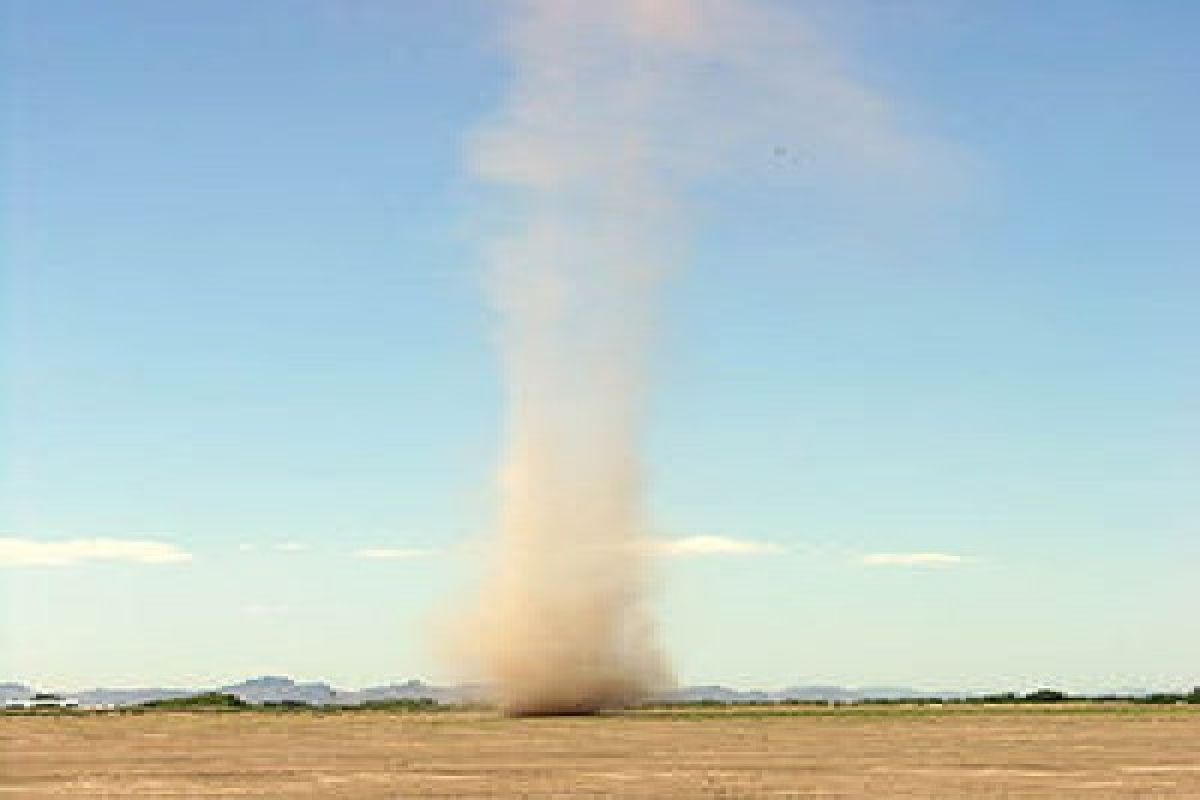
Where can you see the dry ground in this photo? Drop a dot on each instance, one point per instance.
(878, 753)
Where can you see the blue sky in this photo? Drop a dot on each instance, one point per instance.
(242, 316)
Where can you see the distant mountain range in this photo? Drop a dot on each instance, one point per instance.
(276, 689)
(257, 691)
(799, 694)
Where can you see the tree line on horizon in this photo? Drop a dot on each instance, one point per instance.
(225, 701)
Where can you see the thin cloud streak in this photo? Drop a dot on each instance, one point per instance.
(392, 553)
(711, 546)
(22, 552)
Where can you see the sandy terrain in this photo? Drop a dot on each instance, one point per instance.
(977, 753)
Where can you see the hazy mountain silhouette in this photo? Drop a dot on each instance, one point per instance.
(14, 692)
(280, 689)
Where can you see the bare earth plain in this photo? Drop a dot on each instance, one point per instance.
(973, 752)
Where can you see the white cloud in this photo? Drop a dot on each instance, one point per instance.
(711, 546)
(392, 553)
(19, 552)
(913, 560)
(291, 547)
(245, 547)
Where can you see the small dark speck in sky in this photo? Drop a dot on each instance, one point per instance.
(784, 154)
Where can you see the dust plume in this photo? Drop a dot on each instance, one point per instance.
(615, 109)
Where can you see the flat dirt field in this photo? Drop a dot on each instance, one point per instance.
(975, 752)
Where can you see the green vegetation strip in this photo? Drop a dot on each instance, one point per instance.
(1048, 701)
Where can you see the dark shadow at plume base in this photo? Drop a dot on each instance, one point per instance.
(566, 713)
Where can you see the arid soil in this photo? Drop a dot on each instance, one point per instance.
(879, 753)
